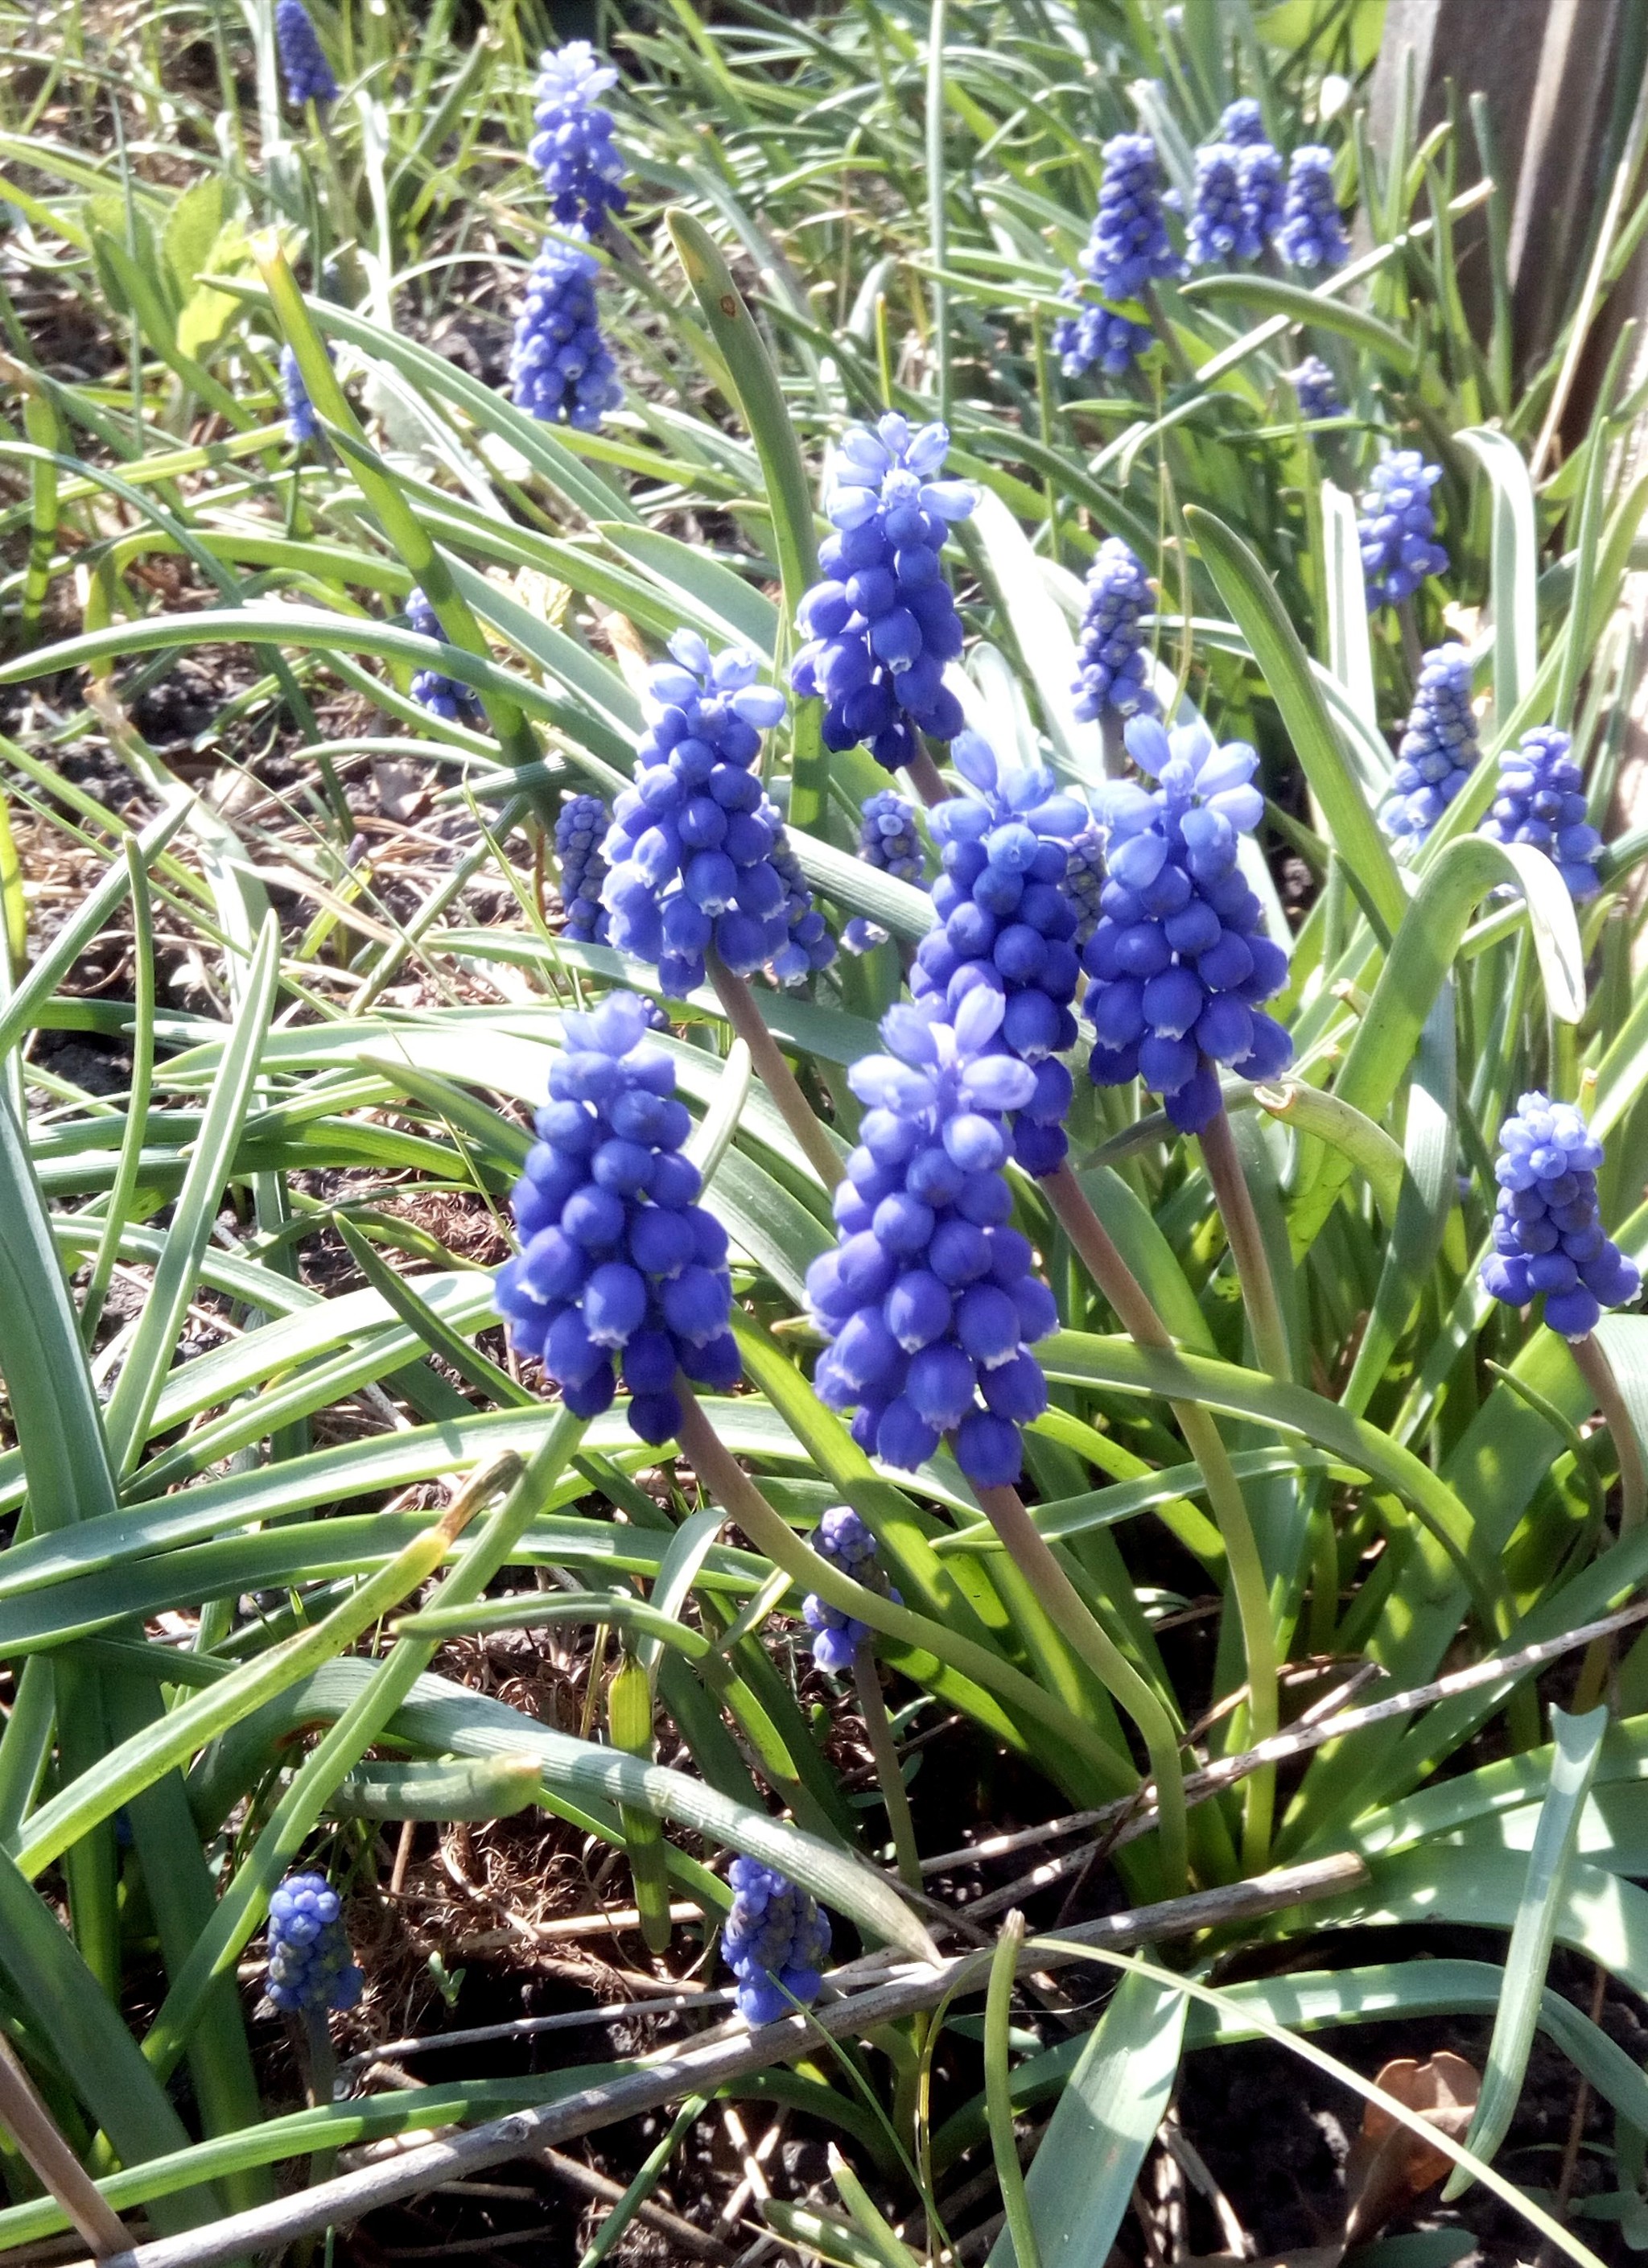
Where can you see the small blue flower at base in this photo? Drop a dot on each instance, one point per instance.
(887, 840)
(1542, 802)
(448, 697)
(1241, 121)
(1312, 234)
(1317, 389)
(581, 826)
(775, 1941)
(1096, 337)
(572, 147)
(843, 1539)
(307, 73)
(1008, 925)
(560, 369)
(1111, 666)
(1548, 1233)
(929, 1299)
(309, 1965)
(696, 852)
(620, 1266)
(882, 623)
(300, 417)
(1438, 749)
(1179, 962)
(1396, 527)
(1221, 226)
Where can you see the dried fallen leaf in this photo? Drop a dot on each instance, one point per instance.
(1389, 2163)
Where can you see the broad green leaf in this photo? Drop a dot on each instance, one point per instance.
(1513, 566)
(1298, 306)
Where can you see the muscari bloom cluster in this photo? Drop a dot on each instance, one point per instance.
(1317, 389)
(1127, 250)
(1439, 748)
(842, 1538)
(1396, 527)
(1238, 199)
(573, 146)
(442, 697)
(774, 1940)
(929, 1299)
(1241, 121)
(300, 417)
(619, 1262)
(309, 1965)
(307, 73)
(1112, 665)
(882, 623)
(1009, 926)
(581, 825)
(560, 369)
(1312, 234)
(696, 851)
(1180, 961)
(887, 840)
(1548, 1235)
(1542, 802)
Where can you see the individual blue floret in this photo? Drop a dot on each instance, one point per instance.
(929, 1299)
(882, 623)
(1396, 527)
(842, 1538)
(442, 697)
(696, 851)
(1438, 749)
(1180, 961)
(619, 1262)
(1542, 802)
(1008, 925)
(1317, 389)
(887, 839)
(1241, 121)
(300, 416)
(1096, 337)
(1312, 234)
(560, 369)
(573, 146)
(775, 1941)
(1259, 171)
(1548, 1233)
(1221, 226)
(307, 73)
(581, 825)
(1113, 667)
(309, 1965)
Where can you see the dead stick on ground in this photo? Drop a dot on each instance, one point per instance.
(31, 2126)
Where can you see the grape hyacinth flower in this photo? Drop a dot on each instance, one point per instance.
(1096, 336)
(1263, 193)
(309, 1965)
(886, 840)
(1221, 226)
(1085, 879)
(929, 1299)
(695, 847)
(573, 146)
(809, 946)
(1548, 1235)
(1126, 251)
(1438, 749)
(1317, 389)
(1113, 668)
(581, 825)
(882, 623)
(307, 73)
(1180, 961)
(1397, 527)
(843, 1539)
(442, 697)
(560, 369)
(1542, 802)
(619, 1262)
(1312, 234)
(1241, 121)
(300, 416)
(1007, 925)
(774, 1940)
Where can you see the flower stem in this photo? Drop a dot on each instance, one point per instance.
(780, 1081)
(1141, 1320)
(926, 779)
(883, 1749)
(1598, 1374)
(1247, 1244)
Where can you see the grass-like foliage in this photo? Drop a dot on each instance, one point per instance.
(1074, 712)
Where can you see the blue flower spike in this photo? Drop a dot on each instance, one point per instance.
(1113, 669)
(843, 1539)
(775, 1941)
(300, 417)
(1438, 750)
(309, 1966)
(307, 73)
(929, 1299)
(1222, 227)
(1542, 802)
(581, 826)
(1125, 254)
(1179, 962)
(448, 697)
(1547, 1234)
(560, 368)
(882, 623)
(1312, 234)
(1264, 190)
(621, 1267)
(1396, 527)
(573, 146)
(1241, 121)
(1316, 389)
(887, 840)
